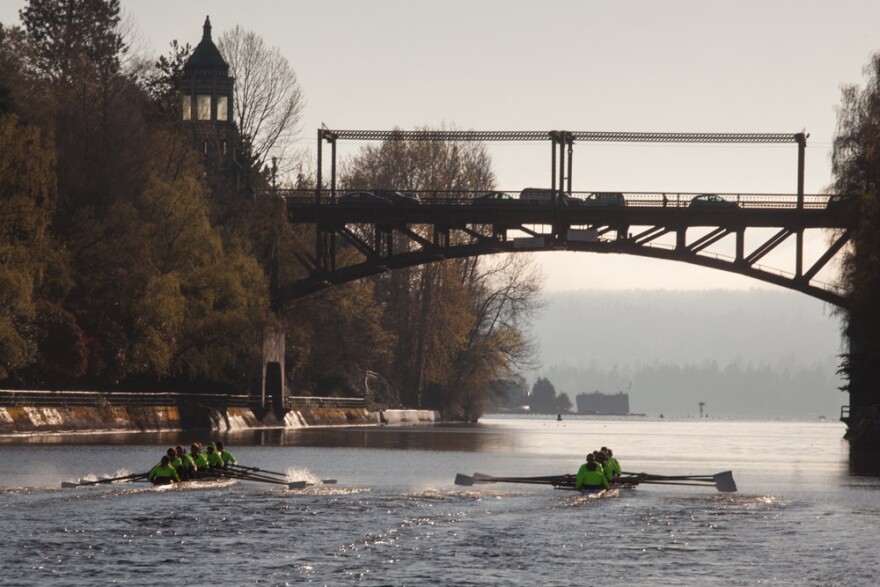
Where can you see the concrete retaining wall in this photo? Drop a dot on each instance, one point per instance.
(30, 420)
(22, 420)
(408, 416)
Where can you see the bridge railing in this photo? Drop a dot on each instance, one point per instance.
(641, 199)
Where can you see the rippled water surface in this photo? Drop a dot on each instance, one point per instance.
(396, 518)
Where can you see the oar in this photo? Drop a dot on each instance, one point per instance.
(133, 477)
(257, 470)
(263, 479)
(721, 481)
(481, 478)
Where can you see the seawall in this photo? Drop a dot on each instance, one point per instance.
(24, 420)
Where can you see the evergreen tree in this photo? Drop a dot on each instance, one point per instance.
(856, 169)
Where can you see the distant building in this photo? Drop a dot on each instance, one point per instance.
(206, 92)
(601, 403)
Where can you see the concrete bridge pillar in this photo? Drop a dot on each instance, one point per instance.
(275, 393)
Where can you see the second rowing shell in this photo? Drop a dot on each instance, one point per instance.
(601, 493)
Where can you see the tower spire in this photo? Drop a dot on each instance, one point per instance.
(206, 34)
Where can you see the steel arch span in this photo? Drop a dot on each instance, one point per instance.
(390, 238)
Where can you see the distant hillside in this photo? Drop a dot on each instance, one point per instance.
(746, 354)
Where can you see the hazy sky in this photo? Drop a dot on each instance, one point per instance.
(675, 65)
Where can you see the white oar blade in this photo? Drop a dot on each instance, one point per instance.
(464, 480)
(724, 482)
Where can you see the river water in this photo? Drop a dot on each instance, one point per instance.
(395, 516)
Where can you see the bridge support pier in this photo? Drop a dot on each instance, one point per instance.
(275, 394)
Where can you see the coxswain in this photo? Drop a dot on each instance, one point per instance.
(198, 457)
(225, 455)
(163, 473)
(215, 461)
(590, 477)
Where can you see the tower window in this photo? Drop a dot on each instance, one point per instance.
(186, 107)
(222, 108)
(203, 104)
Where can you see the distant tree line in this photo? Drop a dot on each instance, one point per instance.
(125, 265)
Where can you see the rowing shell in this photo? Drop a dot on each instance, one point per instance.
(195, 484)
(601, 493)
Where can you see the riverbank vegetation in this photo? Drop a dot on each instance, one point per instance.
(126, 264)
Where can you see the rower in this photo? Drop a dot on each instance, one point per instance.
(198, 457)
(225, 455)
(163, 473)
(183, 463)
(615, 466)
(591, 458)
(602, 461)
(590, 477)
(214, 458)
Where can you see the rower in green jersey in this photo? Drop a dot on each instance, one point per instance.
(615, 466)
(591, 458)
(590, 477)
(214, 458)
(225, 455)
(198, 457)
(183, 463)
(163, 473)
(602, 461)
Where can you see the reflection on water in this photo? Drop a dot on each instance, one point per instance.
(432, 437)
(446, 437)
(864, 464)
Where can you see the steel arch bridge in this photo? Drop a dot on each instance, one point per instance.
(670, 226)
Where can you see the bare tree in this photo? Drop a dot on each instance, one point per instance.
(268, 101)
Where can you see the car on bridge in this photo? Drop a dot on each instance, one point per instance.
(362, 199)
(399, 198)
(711, 201)
(838, 202)
(548, 197)
(605, 199)
(494, 198)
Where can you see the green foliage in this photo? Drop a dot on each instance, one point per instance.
(27, 191)
(66, 35)
(457, 324)
(161, 83)
(336, 337)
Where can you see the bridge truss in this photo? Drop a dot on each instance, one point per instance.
(448, 225)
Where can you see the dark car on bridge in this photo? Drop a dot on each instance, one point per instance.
(362, 199)
(838, 202)
(399, 198)
(494, 198)
(711, 201)
(605, 199)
